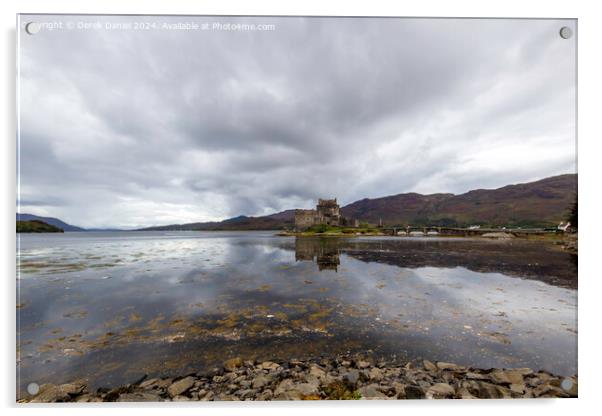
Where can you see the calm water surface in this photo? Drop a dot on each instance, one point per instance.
(110, 307)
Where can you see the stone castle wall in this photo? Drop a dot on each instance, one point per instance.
(305, 218)
(327, 212)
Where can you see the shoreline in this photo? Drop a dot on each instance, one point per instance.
(339, 378)
(489, 235)
(567, 242)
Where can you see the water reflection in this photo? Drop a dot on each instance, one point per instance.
(325, 252)
(110, 307)
(526, 259)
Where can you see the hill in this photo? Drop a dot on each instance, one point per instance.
(269, 222)
(542, 203)
(36, 226)
(536, 204)
(49, 220)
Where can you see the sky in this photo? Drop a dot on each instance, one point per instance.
(129, 121)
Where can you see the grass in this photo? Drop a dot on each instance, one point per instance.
(330, 230)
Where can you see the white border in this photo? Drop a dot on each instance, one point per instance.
(590, 70)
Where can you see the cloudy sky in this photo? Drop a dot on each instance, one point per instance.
(125, 128)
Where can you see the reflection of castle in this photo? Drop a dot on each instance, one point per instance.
(327, 212)
(326, 253)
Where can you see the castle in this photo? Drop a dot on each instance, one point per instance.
(327, 212)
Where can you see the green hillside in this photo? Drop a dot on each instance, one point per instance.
(36, 226)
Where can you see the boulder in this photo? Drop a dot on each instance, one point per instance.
(285, 385)
(375, 374)
(73, 389)
(139, 397)
(307, 389)
(351, 377)
(429, 366)
(268, 365)
(506, 377)
(62, 393)
(208, 397)
(260, 382)
(448, 366)
(464, 393)
(414, 392)
(50, 393)
(548, 390)
(517, 388)
(267, 394)
(476, 376)
(288, 390)
(224, 397)
(440, 391)
(233, 363)
(150, 383)
(316, 371)
(400, 389)
(88, 398)
(504, 392)
(163, 384)
(246, 394)
(180, 386)
(490, 391)
(180, 398)
(372, 392)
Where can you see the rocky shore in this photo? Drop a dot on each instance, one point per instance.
(570, 243)
(340, 378)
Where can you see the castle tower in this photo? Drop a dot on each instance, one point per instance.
(329, 212)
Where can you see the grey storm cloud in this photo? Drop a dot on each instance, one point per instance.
(141, 127)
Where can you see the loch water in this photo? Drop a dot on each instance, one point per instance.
(110, 307)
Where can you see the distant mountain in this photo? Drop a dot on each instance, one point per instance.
(395, 209)
(541, 203)
(269, 222)
(537, 204)
(49, 220)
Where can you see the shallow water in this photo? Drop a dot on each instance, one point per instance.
(110, 307)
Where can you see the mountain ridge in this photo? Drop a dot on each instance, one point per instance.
(540, 203)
